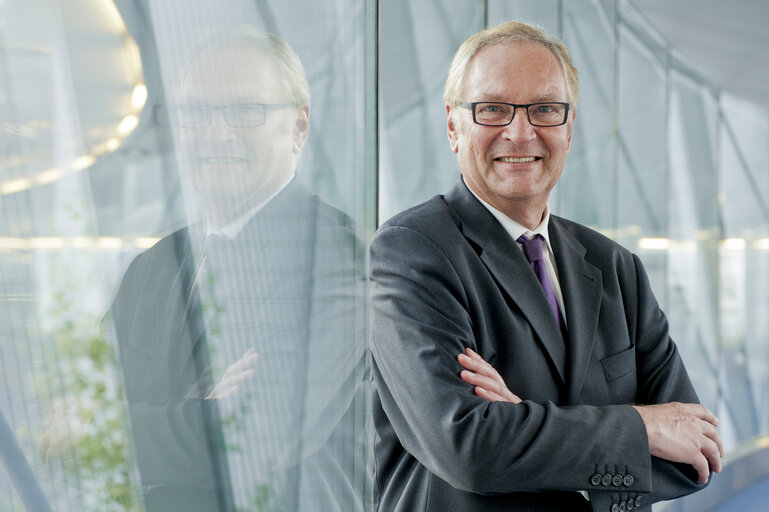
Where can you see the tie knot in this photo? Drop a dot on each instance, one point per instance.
(532, 248)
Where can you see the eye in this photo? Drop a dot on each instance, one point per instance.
(544, 109)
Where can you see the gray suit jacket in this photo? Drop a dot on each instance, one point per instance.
(445, 276)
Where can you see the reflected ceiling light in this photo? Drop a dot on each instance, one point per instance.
(48, 176)
(762, 244)
(654, 244)
(46, 242)
(687, 246)
(109, 242)
(77, 242)
(145, 242)
(139, 96)
(13, 186)
(112, 144)
(7, 242)
(734, 244)
(81, 242)
(128, 124)
(763, 442)
(82, 162)
(131, 74)
(114, 16)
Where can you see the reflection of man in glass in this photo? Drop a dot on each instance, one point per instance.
(240, 336)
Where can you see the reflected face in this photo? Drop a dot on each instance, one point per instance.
(240, 165)
(512, 167)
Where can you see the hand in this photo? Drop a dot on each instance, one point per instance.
(238, 371)
(685, 433)
(487, 381)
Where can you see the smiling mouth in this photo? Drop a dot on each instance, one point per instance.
(516, 160)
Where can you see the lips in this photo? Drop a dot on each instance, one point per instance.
(517, 160)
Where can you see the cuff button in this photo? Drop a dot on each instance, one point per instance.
(638, 501)
(607, 479)
(623, 507)
(595, 479)
(628, 480)
(617, 481)
(615, 508)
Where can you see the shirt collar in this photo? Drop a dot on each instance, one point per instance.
(232, 229)
(514, 229)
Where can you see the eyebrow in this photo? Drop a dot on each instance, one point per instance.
(542, 98)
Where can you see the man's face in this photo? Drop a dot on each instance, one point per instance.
(512, 167)
(240, 165)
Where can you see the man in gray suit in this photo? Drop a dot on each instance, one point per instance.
(499, 388)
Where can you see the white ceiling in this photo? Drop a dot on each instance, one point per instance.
(726, 41)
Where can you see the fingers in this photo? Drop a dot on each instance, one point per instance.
(703, 469)
(711, 433)
(239, 371)
(486, 380)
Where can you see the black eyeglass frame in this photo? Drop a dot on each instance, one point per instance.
(169, 109)
(516, 106)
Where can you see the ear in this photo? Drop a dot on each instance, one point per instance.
(452, 130)
(301, 128)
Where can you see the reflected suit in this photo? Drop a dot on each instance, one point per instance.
(446, 276)
(291, 436)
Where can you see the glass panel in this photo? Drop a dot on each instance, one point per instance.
(642, 143)
(692, 261)
(541, 12)
(587, 190)
(744, 295)
(417, 42)
(183, 304)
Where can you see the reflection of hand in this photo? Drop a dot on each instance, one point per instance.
(238, 371)
(684, 433)
(487, 381)
(63, 426)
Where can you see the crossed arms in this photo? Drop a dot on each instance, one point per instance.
(676, 432)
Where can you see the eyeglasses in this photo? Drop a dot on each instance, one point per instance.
(494, 113)
(240, 115)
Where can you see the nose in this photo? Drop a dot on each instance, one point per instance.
(218, 129)
(519, 129)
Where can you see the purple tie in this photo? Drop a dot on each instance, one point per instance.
(533, 251)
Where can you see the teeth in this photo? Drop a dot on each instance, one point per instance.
(513, 160)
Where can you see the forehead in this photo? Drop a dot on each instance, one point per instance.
(221, 75)
(516, 72)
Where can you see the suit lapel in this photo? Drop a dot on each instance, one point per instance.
(506, 262)
(582, 289)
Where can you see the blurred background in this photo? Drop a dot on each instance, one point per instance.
(670, 157)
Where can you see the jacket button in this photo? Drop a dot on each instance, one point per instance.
(628, 480)
(595, 479)
(617, 481)
(606, 480)
(638, 501)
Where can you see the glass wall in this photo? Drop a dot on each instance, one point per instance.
(185, 200)
(185, 191)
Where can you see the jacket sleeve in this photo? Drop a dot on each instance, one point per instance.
(420, 323)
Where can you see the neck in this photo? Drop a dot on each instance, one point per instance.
(528, 216)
